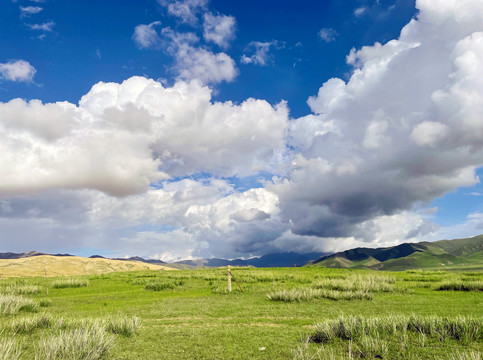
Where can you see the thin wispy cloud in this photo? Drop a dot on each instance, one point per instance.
(328, 34)
(47, 27)
(26, 11)
(474, 193)
(258, 53)
(360, 11)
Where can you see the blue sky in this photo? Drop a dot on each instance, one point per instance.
(92, 42)
(197, 128)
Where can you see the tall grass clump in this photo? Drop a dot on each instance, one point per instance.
(352, 327)
(9, 349)
(458, 285)
(12, 304)
(304, 294)
(90, 342)
(70, 283)
(162, 285)
(358, 282)
(21, 289)
(122, 325)
(27, 325)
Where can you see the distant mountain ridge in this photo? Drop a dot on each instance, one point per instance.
(467, 252)
(288, 259)
(10, 255)
(443, 254)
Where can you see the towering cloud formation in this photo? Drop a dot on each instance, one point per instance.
(142, 166)
(406, 127)
(122, 137)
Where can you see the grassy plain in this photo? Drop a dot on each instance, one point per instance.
(280, 314)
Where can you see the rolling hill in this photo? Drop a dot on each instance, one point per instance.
(444, 254)
(47, 265)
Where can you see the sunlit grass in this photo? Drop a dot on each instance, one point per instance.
(9, 349)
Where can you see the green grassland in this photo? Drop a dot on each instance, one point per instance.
(282, 313)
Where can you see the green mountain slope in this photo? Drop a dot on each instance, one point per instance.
(443, 254)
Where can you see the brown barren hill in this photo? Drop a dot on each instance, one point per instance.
(46, 265)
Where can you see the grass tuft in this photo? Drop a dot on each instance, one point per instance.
(122, 325)
(12, 304)
(90, 342)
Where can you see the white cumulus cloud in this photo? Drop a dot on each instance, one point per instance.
(204, 65)
(404, 129)
(122, 137)
(185, 10)
(146, 36)
(219, 29)
(17, 70)
(193, 62)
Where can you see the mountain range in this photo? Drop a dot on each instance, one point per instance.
(288, 259)
(443, 254)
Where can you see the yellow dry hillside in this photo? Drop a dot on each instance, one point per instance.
(46, 265)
